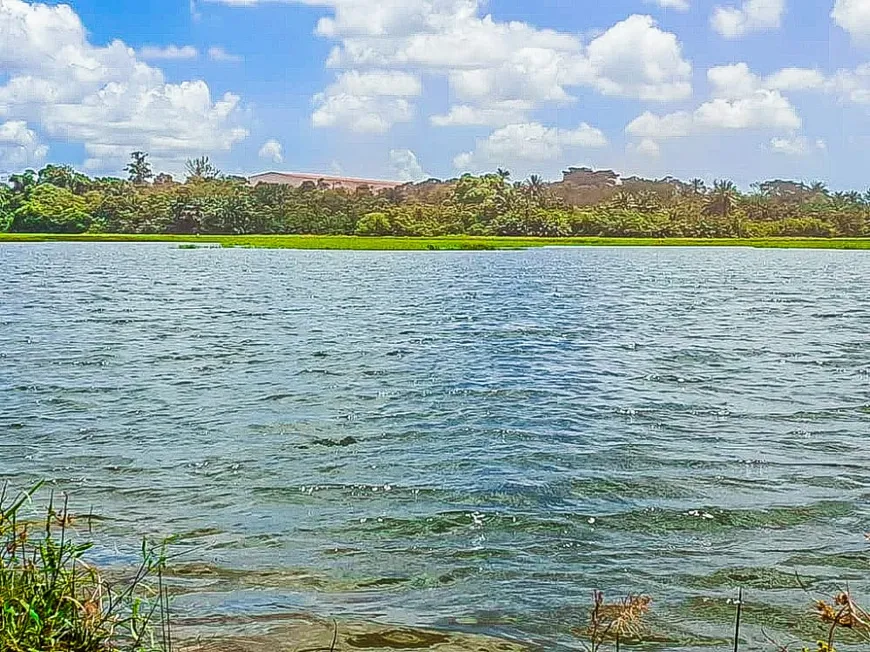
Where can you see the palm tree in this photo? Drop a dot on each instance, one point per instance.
(504, 174)
(818, 188)
(624, 201)
(536, 188)
(854, 197)
(697, 186)
(201, 168)
(722, 198)
(138, 169)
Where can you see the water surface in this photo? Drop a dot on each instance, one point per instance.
(457, 440)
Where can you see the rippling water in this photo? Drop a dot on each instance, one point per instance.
(467, 441)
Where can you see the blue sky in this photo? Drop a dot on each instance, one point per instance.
(740, 89)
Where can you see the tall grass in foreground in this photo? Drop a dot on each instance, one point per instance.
(52, 600)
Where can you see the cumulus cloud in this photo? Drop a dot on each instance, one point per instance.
(751, 16)
(648, 147)
(737, 80)
(743, 100)
(498, 72)
(494, 115)
(679, 5)
(854, 17)
(272, 151)
(796, 145)
(367, 102)
(217, 53)
(154, 52)
(104, 97)
(851, 85)
(635, 58)
(528, 142)
(406, 166)
(19, 146)
(762, 109)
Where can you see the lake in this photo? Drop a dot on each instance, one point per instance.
(464, 441)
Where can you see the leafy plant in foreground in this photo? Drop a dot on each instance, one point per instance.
(52, 600)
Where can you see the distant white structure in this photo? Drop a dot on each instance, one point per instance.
(297, 179)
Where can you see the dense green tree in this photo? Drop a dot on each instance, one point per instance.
(6, 208)
(50, 209)
(374, 224)
(64, 176)
(22, 183)
(586, 203)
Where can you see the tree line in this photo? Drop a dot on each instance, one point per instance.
(58, 199)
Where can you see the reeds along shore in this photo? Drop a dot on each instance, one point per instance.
(53, 600)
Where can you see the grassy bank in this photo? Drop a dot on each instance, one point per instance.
(441, 243)
(53, 600)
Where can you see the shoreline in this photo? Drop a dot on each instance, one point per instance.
(443, 243)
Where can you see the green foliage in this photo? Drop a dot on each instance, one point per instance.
(58, 199)
(52, 600)
(374, 224)
(51, 209)
(6, 208)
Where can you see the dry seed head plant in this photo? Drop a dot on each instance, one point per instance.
(616, 621)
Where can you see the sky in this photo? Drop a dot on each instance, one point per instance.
(746, 90)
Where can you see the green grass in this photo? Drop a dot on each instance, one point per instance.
(440, 243)
(52, 600)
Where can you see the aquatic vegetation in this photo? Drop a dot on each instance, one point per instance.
(615, 622)
(52, 600)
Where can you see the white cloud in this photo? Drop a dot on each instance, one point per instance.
(19, 146)
(760, 109)
(751, 16)
(369, 102)
(654, 127)
(796, 79)
(737, 80)
(272, 151)
(406, 165)
(103, 96)
(679, 5)
(796, 146)
(851, 85)
(635, 58)
(854, 17)
(154, 52)
(494, 115)
(498, 72)
(648, 147)
(528, 142)
(763, 109)
(217, 53)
